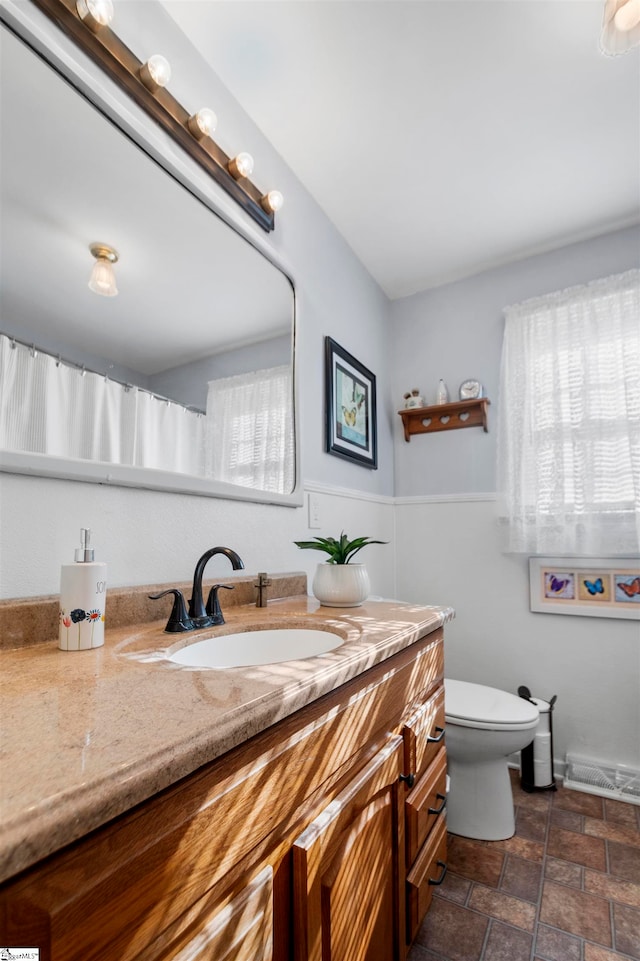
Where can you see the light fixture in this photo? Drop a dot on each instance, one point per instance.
(95, 13)
(203, 123)
(272, 201)
(241, 166)
(620, 26)
(103, 279)
(156, 72)
(87, 22)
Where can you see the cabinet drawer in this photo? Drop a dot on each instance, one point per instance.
(425, 804)
(427, 872)
(423, 734)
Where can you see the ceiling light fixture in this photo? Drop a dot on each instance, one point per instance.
(103, 279)
(156, 72)
(203, 123)
(95, 13)
(620, 26)
(86, 22)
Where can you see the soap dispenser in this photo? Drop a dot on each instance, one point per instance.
(83, 588)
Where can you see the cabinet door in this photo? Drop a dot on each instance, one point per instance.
(348, 869)
(240, 931)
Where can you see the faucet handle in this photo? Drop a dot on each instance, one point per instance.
(179, 621)
(213, 603)
(263, 582)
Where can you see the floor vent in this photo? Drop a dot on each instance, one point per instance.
(594, 777)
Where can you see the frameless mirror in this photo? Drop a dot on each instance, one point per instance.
(199, 317)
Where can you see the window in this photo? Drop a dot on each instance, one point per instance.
(250, 439)
(569, 421)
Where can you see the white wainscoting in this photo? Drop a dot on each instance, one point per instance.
(448, 553)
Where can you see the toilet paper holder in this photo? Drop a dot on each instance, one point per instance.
(536, 759)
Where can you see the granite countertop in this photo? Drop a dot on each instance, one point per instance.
(87, 735)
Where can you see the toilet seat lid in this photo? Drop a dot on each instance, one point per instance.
(476, 705)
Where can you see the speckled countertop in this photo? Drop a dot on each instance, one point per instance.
(87, 735)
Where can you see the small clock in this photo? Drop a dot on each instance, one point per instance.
(470, 390)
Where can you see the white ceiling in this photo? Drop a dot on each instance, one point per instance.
(441, 137)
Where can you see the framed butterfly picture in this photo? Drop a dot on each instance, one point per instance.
(351, 428)
(589, 586)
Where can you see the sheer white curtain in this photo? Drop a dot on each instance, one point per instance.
(249, 430)
(49, 407)
(569, 421)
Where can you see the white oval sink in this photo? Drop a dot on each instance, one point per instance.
(257, 647)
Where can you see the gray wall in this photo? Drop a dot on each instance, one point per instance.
(188, 383)
(455, 332)
(447, 544)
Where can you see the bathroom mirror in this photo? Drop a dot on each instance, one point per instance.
(197, 303)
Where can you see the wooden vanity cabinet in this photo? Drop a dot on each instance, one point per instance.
(291, 844)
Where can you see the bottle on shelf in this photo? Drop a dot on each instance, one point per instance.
(442, 393)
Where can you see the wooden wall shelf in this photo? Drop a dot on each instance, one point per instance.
(464, 413)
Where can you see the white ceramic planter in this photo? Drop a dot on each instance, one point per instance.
(341, 585)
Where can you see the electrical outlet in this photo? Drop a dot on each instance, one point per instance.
(314, 512)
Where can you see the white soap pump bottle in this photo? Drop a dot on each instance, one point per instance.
(83, 590)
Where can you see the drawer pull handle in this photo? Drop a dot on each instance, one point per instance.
(436, 740)
(409, 778)
(443, 798)
(443, 873)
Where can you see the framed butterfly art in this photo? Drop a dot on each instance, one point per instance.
(590, 586)
(351, 428)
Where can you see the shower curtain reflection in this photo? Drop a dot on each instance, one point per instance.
(50, 407)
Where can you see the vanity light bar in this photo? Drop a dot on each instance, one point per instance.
(88, 25)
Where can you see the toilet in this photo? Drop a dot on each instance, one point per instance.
(483, 727)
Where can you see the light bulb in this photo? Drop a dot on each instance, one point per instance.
(203, 123)
(156, 72)
(241, 165)
(272, 201)
(95, 13)
(628, 16)
(620, 26)
(103, 280)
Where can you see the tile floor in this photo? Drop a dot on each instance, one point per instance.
(566, 887)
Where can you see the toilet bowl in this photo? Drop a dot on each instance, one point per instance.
(483, 727)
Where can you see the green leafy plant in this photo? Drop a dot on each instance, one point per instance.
(339, 551)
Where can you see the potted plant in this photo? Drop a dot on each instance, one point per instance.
(338, 582)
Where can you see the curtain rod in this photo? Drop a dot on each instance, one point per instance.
(34, 349)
